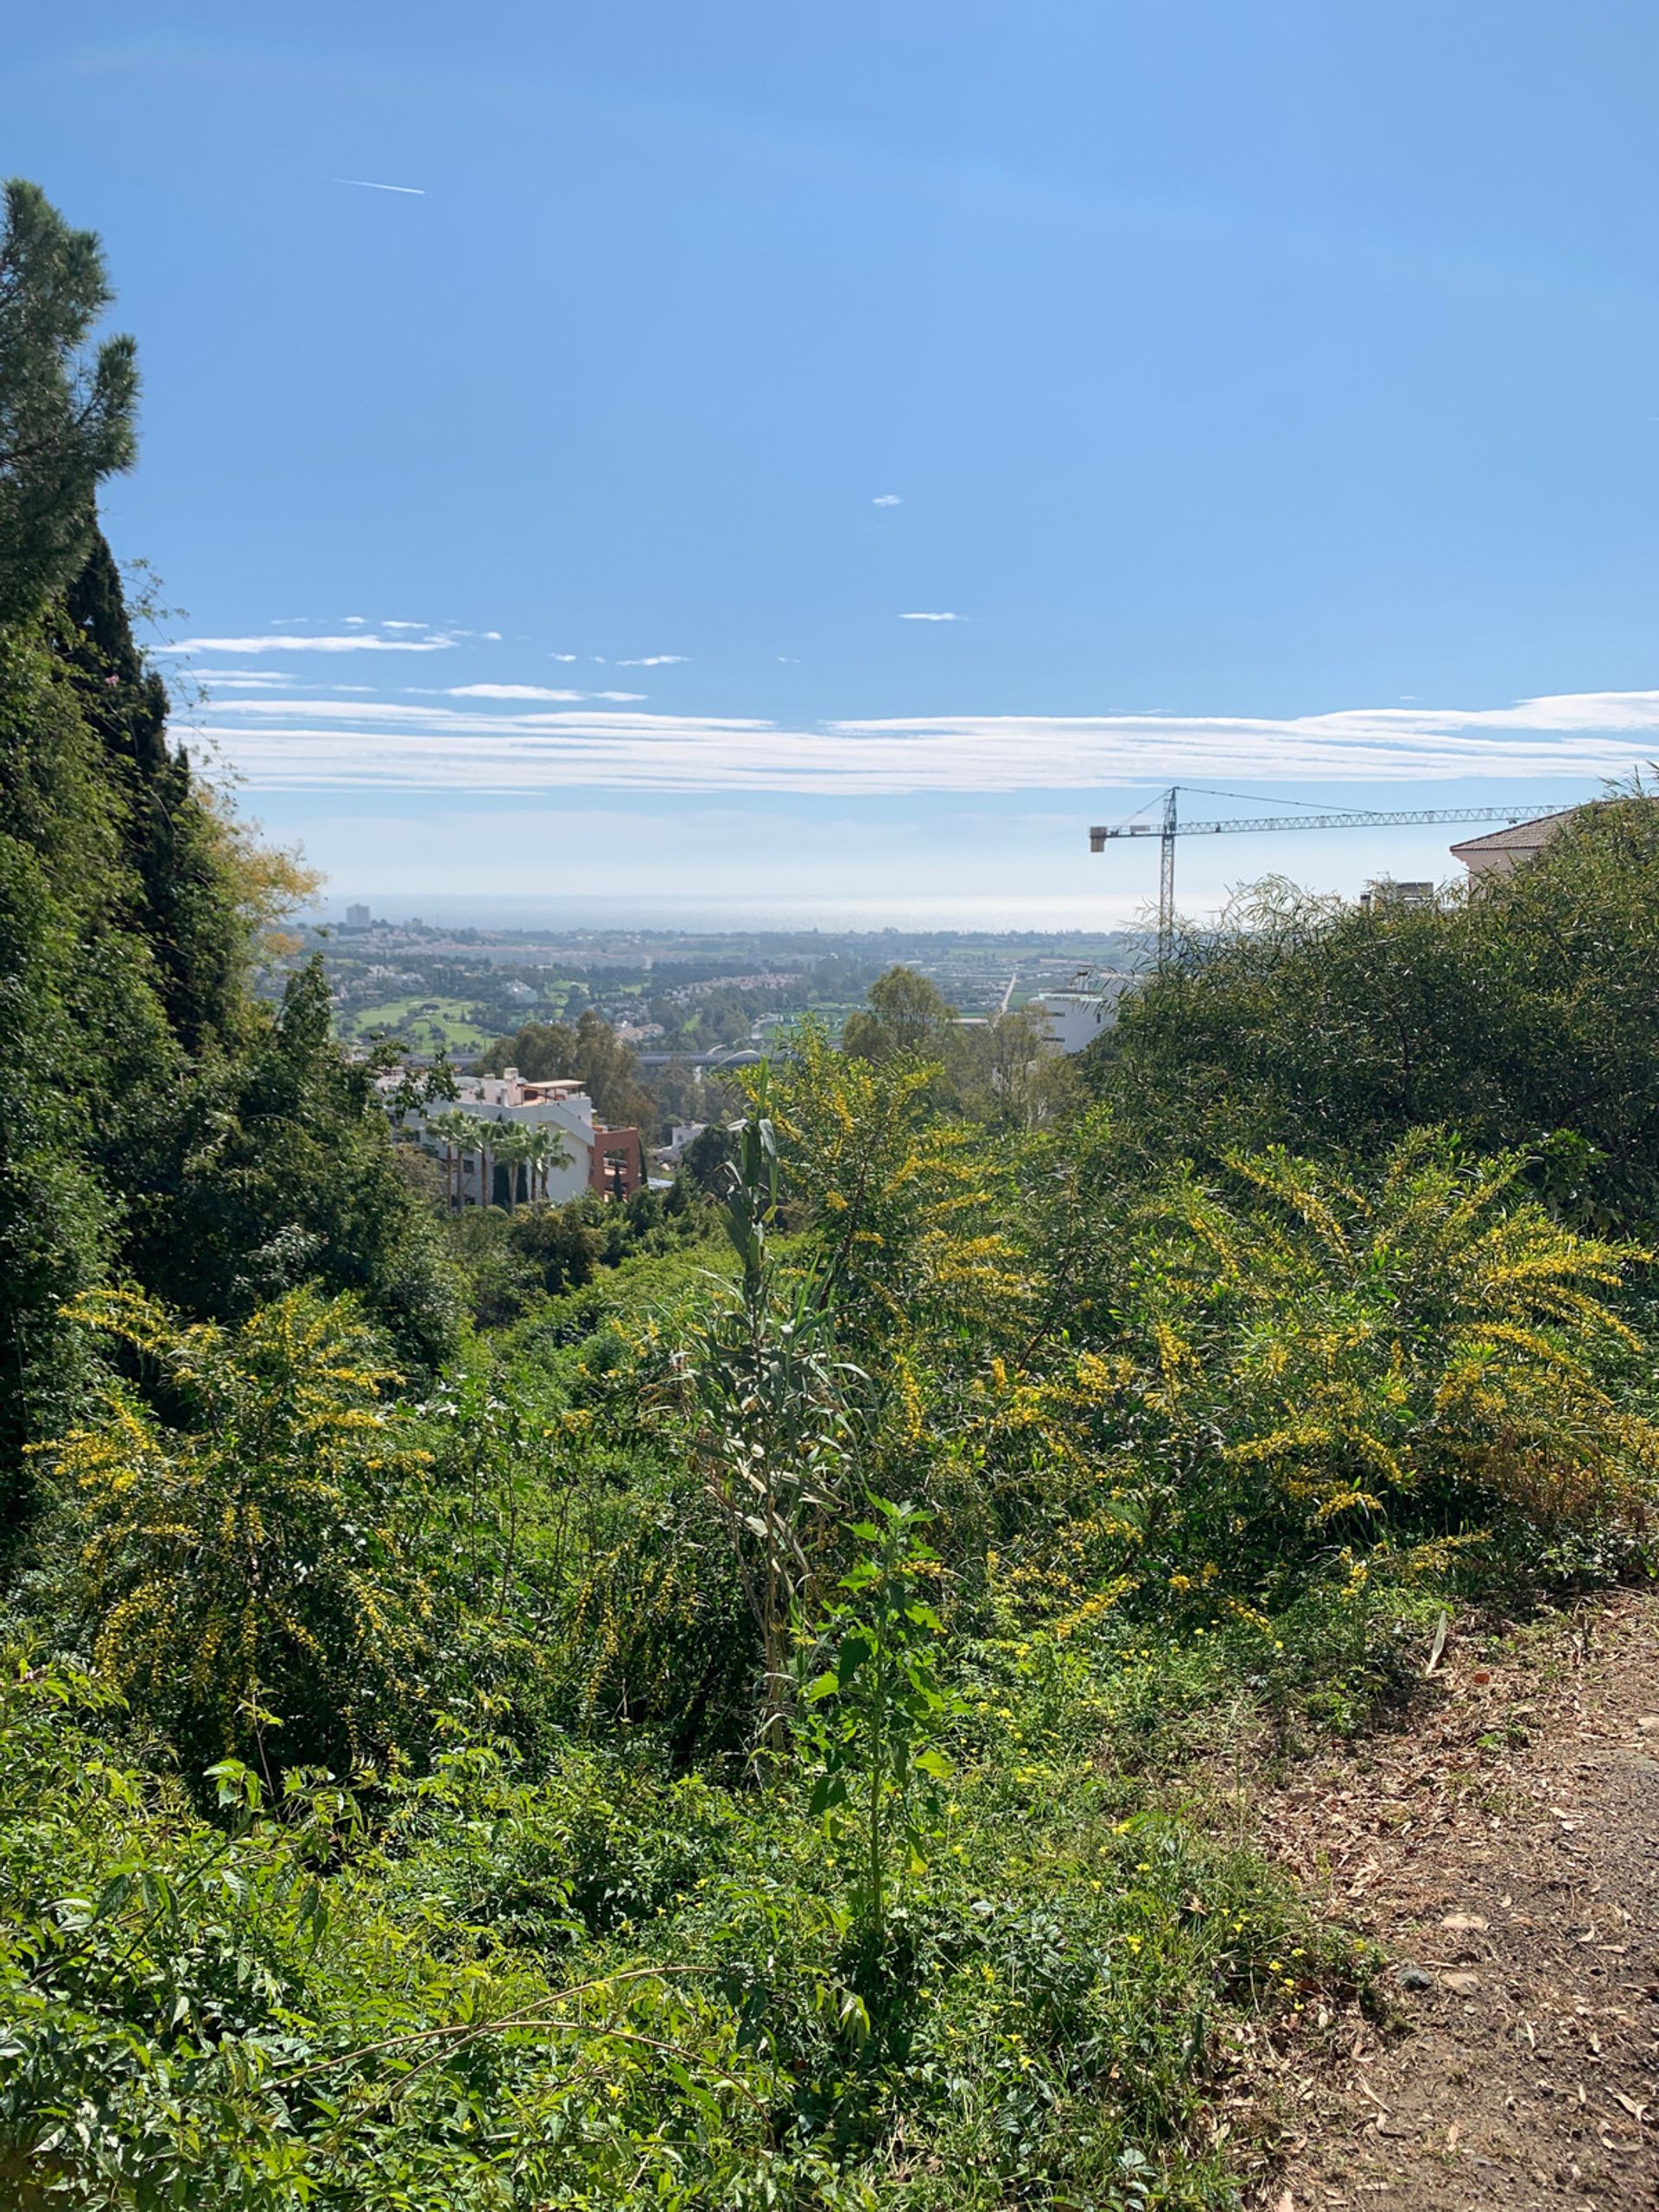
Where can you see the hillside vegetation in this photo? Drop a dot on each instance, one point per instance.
(726, 1701)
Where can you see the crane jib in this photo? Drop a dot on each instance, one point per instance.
(1353, 821)
(1171, 827)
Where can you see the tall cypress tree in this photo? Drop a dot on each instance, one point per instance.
(156, 1121)
(173, 841)
(66, 421)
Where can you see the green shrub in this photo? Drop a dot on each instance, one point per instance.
(250, 1559)
(1308, 1375)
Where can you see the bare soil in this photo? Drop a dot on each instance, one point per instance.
(1505, 1852)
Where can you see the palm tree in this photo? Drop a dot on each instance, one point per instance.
(491, 1136)
(512, 1149)
(544, 1149)
(458, 1134)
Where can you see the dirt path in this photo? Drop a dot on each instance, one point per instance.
(1507, 1857)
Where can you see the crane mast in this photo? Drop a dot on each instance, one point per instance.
(1173, 827)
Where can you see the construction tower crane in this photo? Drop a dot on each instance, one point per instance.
(1173, 827)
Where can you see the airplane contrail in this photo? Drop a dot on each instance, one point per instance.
(367, 184)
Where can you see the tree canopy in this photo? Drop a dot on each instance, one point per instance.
(66, 411)
(156, 1121)
(1524, 1015)
(588, 1050)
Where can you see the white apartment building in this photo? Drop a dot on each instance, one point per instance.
(1075, 1018)
(599, 1157)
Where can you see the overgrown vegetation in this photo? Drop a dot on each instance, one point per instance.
(733, 1700)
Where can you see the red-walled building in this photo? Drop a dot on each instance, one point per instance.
(614, 1165)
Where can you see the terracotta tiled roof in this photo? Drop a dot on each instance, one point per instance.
(1518, 838)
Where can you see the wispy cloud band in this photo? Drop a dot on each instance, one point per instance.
(319, 744)
(355, 641)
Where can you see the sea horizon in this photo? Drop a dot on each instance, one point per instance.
(997, 916)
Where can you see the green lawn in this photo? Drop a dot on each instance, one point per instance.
(424, 1023)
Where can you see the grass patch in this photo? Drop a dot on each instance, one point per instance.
(426, 1025)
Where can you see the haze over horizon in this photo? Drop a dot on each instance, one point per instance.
(826, 463)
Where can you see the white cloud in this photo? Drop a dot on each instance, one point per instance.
(561, 656)
(374, 710)
(389, 625)
(887, 499)
(932, 618)
(657, 660)
(368, 184)
(360, 619)
(506, 691)
(360, 642)
(310, 744)
(620, 695)
(251, 679)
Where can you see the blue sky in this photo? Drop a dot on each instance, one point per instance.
(1267, 392)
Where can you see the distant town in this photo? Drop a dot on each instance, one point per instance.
(594, 1059)
(669, 994)
(711, 998)
(681, 1013)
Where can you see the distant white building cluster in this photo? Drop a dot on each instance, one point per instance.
(772, 980)
(682, 1133)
